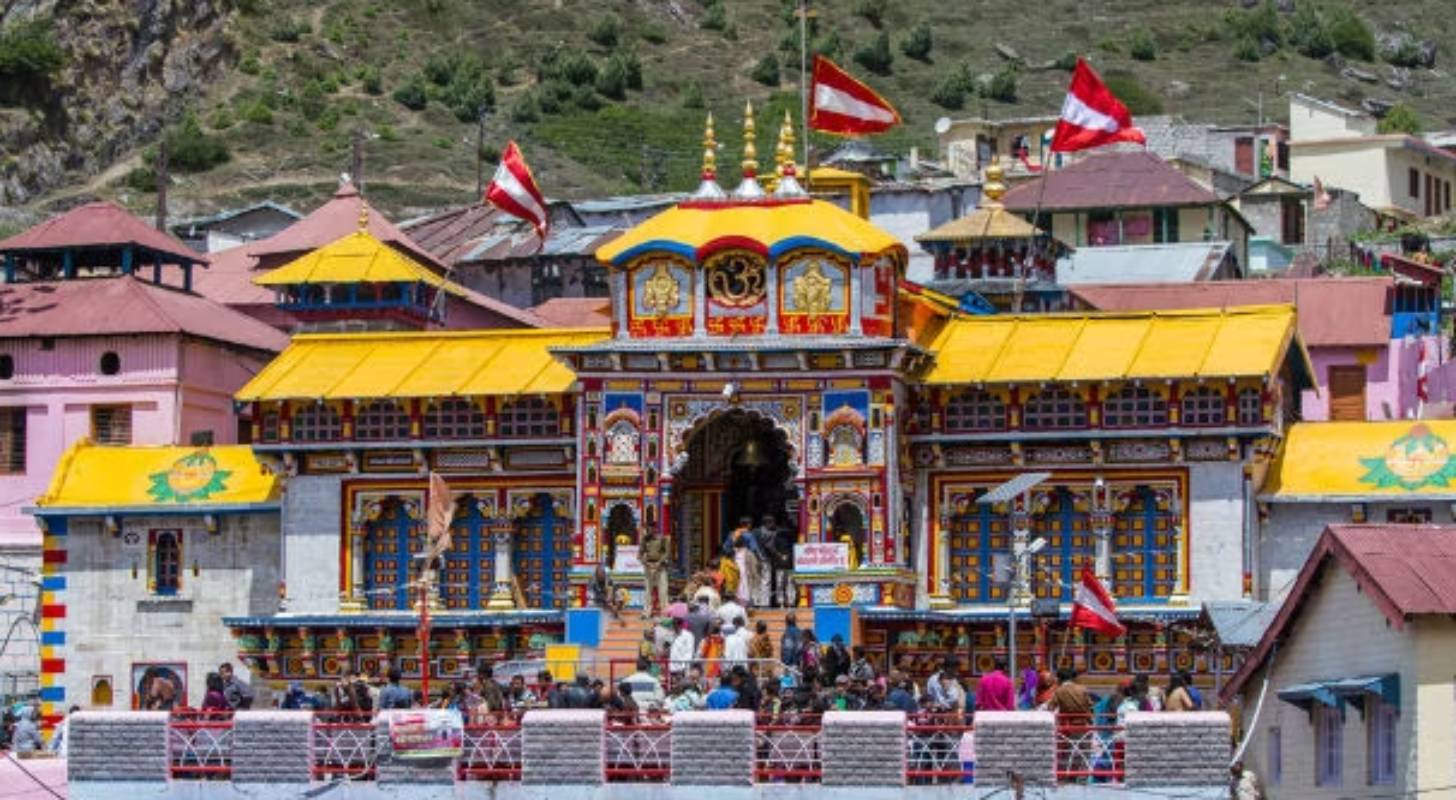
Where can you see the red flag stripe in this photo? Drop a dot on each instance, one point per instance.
(514, 191)
(840, 103)
(1093, 607)
(1092, 115)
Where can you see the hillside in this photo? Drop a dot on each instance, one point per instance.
(265, 97)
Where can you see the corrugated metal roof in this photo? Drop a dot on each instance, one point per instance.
(125, 305)
(1240, 623)
(483, 233)
(629, 202)
(1075, 347)
(576, 312)
(98, 224)
(1181, 262)
(233, 213)
(466, 363)
(1110, 180)
(1332, 311)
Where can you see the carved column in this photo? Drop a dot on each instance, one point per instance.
(773, 297)
(1102, 529)
(353, 600)
(700, 303)
(856, 291)
(503, 595)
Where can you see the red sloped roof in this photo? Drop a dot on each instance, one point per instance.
(576, 312)
(1332, 312)
(125, 305)
(1110, 180)
(1405, 570)
(98, 224)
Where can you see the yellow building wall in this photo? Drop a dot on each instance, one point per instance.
(1435, 699)
(1362, 170)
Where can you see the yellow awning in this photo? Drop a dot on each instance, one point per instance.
(419, 364)
(770, 228)
(1223, 343)
(356, 258)
(1355, 461)
(106, 478)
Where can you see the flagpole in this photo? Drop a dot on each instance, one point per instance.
(804, 88)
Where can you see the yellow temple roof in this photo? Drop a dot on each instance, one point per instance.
(985, 222)
(419, 364)
(1357, 461)
(356, 258)
(1235, 342)
(108, 478)
(769, 227)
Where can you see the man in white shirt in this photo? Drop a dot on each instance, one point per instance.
(735, 644)
(646, 689)
(684, 647)
(729, 611)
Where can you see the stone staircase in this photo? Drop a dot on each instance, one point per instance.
(620, 639)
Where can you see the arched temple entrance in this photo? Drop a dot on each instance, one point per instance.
(738, 465)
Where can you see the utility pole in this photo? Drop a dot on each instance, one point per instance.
(162, 180)
(357, 168)
(480, 151)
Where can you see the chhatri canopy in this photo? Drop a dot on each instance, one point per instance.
(768, 227)
(356, 258)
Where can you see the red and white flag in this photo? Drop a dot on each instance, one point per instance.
(514, 191)
(1092, 115)
(439, 513)
(839, 103)
(1092, 606)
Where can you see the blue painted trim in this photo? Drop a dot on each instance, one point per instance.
(57, 527)
(403, 621)
(796, 242)
(53, 638)
(55, 514)
(993, 612)
(53, 694)
(53, 583)
(657, 245)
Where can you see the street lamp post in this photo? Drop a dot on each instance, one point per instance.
(1022, 549)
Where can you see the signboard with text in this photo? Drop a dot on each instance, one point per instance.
(821, 557)
(427, 733)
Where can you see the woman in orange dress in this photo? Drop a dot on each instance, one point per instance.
(710, 650)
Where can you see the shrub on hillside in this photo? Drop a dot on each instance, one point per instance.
(288, 29)
(876, 56)
(371, 81)
(949, 93)
(653, 34)
(714, 18)
(607, 32)
(1352, 37)
(1003, 85)
(1309, 31)
(585, 99)
(873, 11)
(1260, 24)
(412, 95)
(1141, 45)
(191, 150)
(1246, 48)
(258, 113)
(29, 52)
(1138, 98)
(1067, 61)
(526, 109)
(692, 97)
(577, 69)
(1401, 119)
(918, 44)
(1402, 51)
(766, 71)
(612, 80)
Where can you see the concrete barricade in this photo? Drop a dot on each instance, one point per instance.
(563, 748)
(397, 771)
(863, 748)
(117, 746)
(1023, 743)
(1177, 748)
(272, 746)
(712, 748)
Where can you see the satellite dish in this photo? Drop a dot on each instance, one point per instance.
(942, 125)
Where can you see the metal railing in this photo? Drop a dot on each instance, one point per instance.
(493, 751)
(1089, 749)
(787, 749)
(343, 746)
(939, 748)
(200, 744)
(638, 750)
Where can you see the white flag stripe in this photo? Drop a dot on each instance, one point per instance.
(1089, 600)
(1084, 116)
(508, 181)
(833, 100)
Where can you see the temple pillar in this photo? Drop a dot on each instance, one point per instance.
(700, 305)
(1102, 530)
(353, 599)
(856, 292)
(503, 594)
(773, 297)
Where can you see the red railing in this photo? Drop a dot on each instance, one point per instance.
(200, 744)
(939, 748)
(493, 751)
(343, 746)
(1089, 749)
(787, 749)
(638, 748)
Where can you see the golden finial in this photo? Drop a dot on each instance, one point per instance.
(786, 146)
(750, 153)
(363, 215)
(710, 151)
(994, 188)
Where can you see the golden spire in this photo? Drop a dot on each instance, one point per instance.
(994, 189)
(750, 152)
(363, 215)
(786, 146)
(710, 151)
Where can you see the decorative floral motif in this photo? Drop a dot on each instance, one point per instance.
(661, 293)
(736, 280)
(192, 477)
(1414, 461)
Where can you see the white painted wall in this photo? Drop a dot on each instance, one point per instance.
(1216, 534)
(311, 542)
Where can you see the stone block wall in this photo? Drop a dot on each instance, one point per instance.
(272, 746)
(1019, 742)
(563, 748)
(1177, 749)
(712, 748)
(863, 748)
(117, 746)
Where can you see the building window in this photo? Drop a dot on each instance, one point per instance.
(974, 410)
(1329, 746)
(1408, 516)
(1381, 725)
(1135, 407)
(166, 561)
(382, 420)
(201, 439)
(1165, 225)
(1414, 179)
(12, 441)
(1055, 409)
(455, 418)
(111, 424)
(1203, 406)
(1275, 757)
(7, 367)
(1251, 407)
(529, 416)
(319, 422)
(110, 363)
(268, 426)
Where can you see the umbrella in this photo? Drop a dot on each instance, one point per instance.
(677, 610)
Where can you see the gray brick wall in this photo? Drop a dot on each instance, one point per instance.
(272, 746)
(864, 748)
(1177, 749)
(391, 770)
(110, 746)
(712, 748)
(563, 748)
(1023, 742)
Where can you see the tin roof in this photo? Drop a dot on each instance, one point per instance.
(125, 305)
(481, 232)
(1405, 570)
(576, 312)
(1170, 262)
(1110, 180)
(98, 224)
